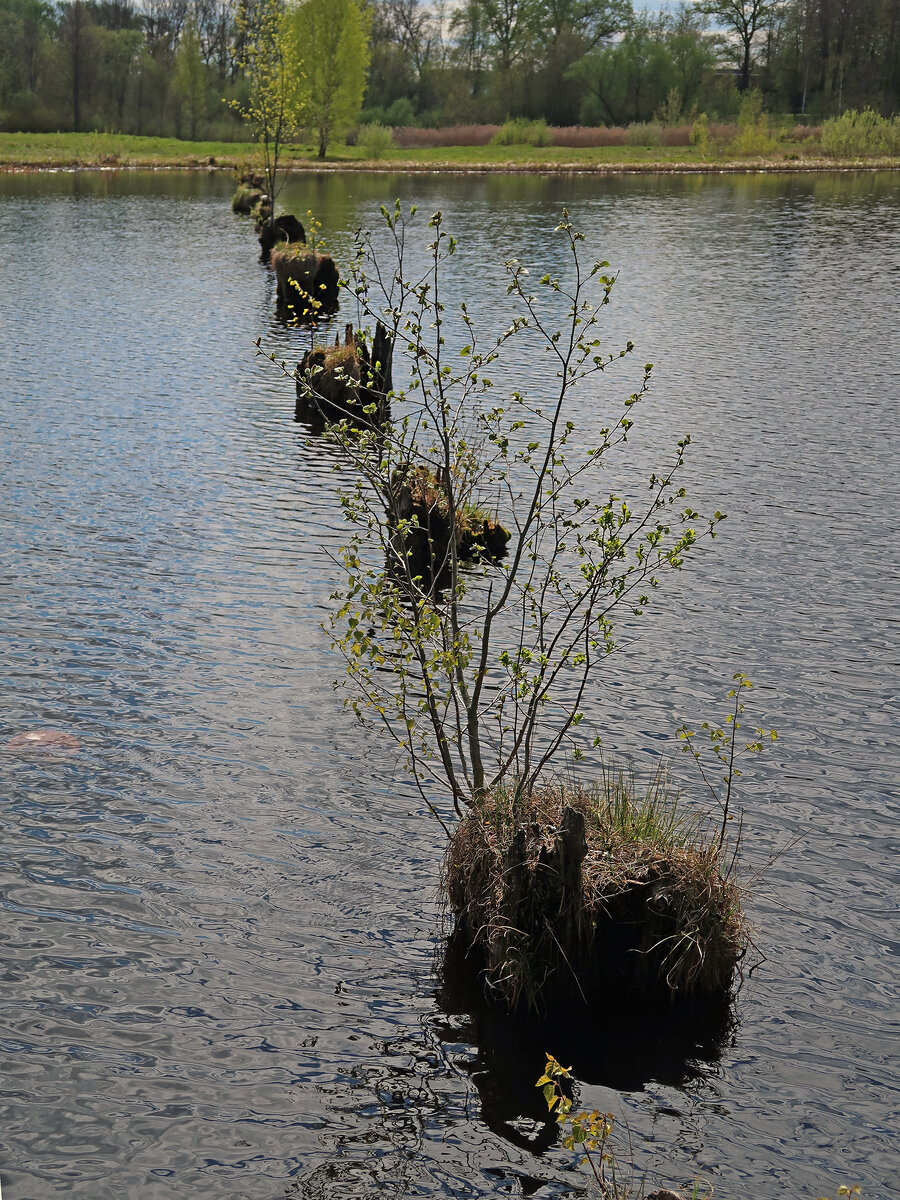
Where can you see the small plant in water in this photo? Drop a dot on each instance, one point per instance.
(489, 667)
(480, 669)
(589, 1132)
(724, 747)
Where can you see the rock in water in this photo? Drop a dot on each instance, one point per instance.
(51, 741)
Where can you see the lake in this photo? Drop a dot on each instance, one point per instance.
(221, 917)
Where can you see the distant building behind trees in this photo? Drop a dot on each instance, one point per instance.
(163, 67)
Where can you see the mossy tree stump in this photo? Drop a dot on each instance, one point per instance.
(245, 199)
(285, 228)
(307, 281)
(348, 380)
(560, 907)
(418, 510)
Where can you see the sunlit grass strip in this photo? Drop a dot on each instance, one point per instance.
(112, 151)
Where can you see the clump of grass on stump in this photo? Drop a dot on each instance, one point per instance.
(418, 501)
(594, 896)
(245, 199)
(307, 280)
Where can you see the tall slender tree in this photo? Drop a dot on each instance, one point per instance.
(331, 39)
(277, 96)
(76, 29)
(745, 19)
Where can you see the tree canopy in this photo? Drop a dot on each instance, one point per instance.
(162, 67)
(330, 38)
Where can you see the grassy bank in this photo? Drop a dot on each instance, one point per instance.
(45, 150)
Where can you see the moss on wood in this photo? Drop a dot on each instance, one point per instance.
(593, 897)
(245, 199)
(307, 281)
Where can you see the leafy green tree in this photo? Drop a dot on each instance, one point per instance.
(190, 74)
(275, 106)
(567, 30)
(693, 54)
(494, 44)
(24, 25)
(331, 39)
(509, 24)
(119, 50)
(480, 674)
(78, 40)
(406, 36)
(632, 78)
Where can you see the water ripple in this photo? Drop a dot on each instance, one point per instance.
(220, 916)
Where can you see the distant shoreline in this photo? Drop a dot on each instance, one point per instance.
(375, 167)
(26, 152)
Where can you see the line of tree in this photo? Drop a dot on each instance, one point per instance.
(163, 67)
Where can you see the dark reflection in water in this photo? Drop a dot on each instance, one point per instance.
(219, 917)
(615, 1046)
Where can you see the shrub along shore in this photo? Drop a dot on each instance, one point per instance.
(32, 151)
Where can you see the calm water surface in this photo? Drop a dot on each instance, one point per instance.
(220, 918)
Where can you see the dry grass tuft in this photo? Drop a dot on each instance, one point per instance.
(593, 896)
(589, 135)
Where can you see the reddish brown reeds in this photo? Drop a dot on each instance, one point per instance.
(450, 135)
(588, 135)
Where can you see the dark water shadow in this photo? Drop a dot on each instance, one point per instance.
(622, 1046)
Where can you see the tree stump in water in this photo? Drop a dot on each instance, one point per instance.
(564, 902)
(418, 510)
(245, 199)
(344, 381)
(285, 228)
(307, 282)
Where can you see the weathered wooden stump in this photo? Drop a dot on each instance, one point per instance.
(348, 380)
(563, 905)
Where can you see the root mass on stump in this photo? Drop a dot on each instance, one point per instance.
(561, 907)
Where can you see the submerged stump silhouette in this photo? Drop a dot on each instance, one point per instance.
(51, 741)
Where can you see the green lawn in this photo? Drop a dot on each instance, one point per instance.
(111, 150)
